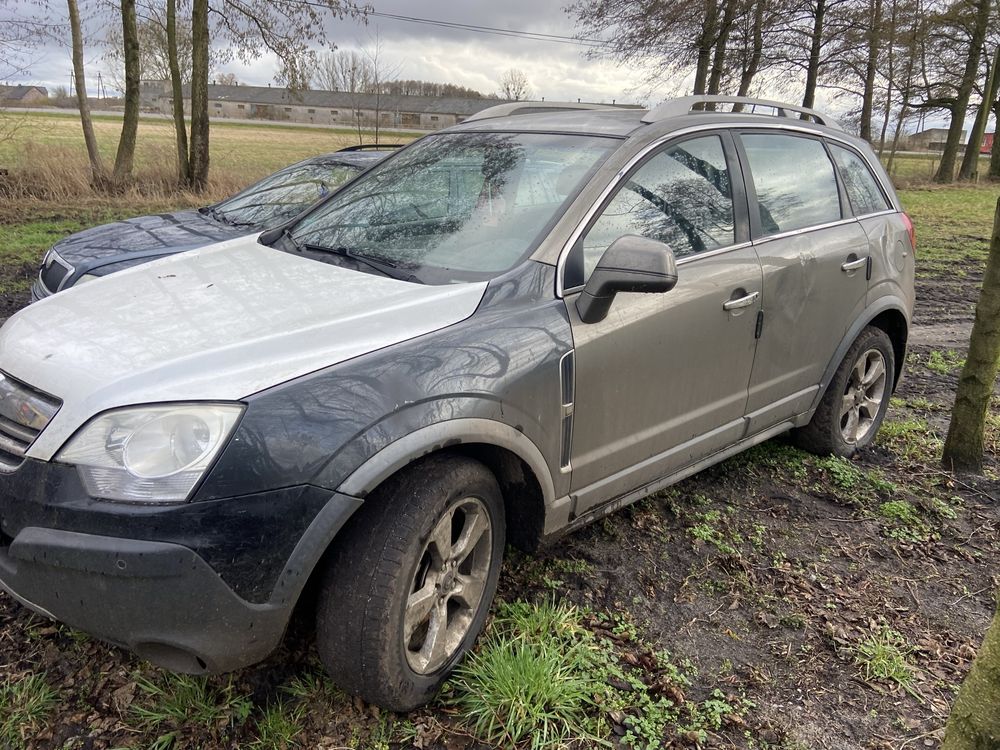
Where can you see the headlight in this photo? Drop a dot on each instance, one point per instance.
(153, 454)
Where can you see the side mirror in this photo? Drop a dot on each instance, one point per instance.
(630, 264)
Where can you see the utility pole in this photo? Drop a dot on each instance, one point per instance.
(71, 83)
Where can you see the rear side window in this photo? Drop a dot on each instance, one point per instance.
(682, 196)
(862, 187)
(795, 182)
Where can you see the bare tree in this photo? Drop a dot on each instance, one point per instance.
(958, 104)
(963, 448)
(97, 171)
(343, 70)
(514, 85)
(227, 79)
(970, 161)
(125, 157)
(974, 723)
(288, 29)
(382, 71)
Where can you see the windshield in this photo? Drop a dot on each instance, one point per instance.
(283, 195)
(456, 206)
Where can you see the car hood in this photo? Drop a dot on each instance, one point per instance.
(219, 323)
(149, 235)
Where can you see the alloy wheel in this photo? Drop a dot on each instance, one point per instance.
(448, 585)
(863, 396)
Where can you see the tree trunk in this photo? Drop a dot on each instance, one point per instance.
(816, 47)
(974, 723)
(970, 162)
(868, 95)
(721, 42)
(97, 173)
(946, 170)
(756, 50)
(125, 158)
(963, 449)
(995, 149)
(177, 92)
(199, 95)
(890, 78)
(705, 44)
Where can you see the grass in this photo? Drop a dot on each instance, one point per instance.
(945, 362)
(170, 703)
(25, 706)
(240, 151)
(953, 226)
(882, 655)
(533, 679)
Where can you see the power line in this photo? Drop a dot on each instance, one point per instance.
(534, 35)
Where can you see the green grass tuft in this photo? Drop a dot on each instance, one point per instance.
(25, 706)
(533, 679)
(883, 656)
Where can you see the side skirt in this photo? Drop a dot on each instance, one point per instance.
(656, 485)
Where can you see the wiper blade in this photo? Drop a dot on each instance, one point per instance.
(385, 267)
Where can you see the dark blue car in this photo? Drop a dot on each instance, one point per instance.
(103, 250)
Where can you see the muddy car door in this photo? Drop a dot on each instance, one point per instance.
(662, 380)
(815, 261)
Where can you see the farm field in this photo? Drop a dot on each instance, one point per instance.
(778, 600)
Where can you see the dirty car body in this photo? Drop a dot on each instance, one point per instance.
(106, 249)
(544, 316)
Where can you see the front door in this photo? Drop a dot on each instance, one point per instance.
(815, 270)
(662, 381)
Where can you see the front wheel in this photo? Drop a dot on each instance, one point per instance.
(408, 588)
(855, 402)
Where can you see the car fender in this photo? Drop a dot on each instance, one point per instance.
(881, 305)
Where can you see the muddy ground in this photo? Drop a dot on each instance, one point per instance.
(769, 573)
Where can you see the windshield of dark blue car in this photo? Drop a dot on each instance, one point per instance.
(283, 195)
(453, 207)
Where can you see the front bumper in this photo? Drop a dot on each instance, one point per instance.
(195, 587)
(160, 600)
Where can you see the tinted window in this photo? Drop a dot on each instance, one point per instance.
(682, 197)
(862, 188)
(281, 196)
(795, 182)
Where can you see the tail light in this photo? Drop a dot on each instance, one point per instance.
(910, 231)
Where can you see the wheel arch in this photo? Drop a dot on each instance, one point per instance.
(886, 313)
(516, 462)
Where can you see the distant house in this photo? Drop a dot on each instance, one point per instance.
(320, 107)
(932, 139)
(987, 147)
(23, 94)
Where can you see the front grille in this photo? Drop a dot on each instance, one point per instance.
(54, 272)
(24, 413)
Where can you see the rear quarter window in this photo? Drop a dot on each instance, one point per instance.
(862, 188)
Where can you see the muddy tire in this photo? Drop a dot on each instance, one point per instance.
(410, 581)
(854, 405)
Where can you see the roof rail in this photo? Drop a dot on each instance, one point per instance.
(685, 105)
(532, 108)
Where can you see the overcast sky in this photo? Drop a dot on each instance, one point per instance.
(554, 70)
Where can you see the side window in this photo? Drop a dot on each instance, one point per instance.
(682, 196)
(862, 187)
(794, 179)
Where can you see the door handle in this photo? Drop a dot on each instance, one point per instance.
(854, 265)
(740, 302)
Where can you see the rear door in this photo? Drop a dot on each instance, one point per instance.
(815, 260)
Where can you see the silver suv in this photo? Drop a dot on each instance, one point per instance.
(500, 333)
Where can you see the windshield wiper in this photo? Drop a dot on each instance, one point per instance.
(384, 267)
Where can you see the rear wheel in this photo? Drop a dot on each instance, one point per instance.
(856, 400)
(409, 586)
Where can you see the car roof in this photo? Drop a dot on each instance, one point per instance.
(671, 116)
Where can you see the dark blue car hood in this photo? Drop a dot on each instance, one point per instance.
(112, 247)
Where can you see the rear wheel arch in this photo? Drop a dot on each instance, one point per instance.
(893, 322)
